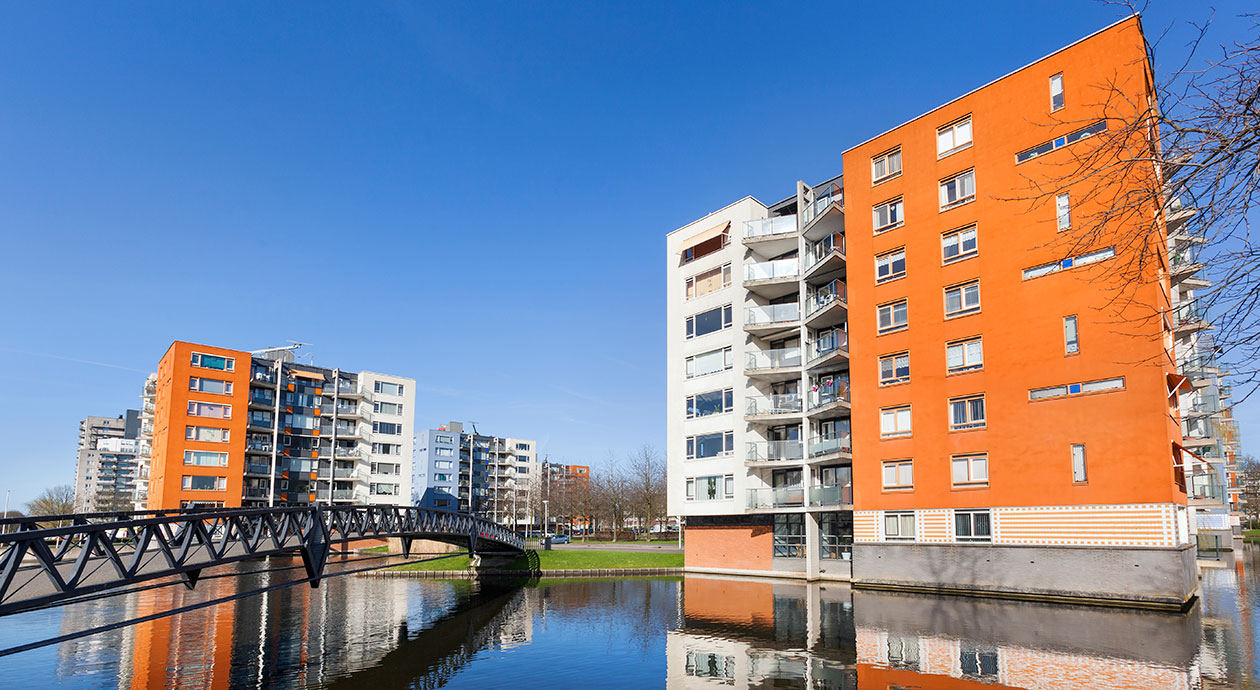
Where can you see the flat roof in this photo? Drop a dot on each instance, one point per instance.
(714, 213)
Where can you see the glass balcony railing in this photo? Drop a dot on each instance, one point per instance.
(254, 468)
(343, 494)
(346, 452)
(825, 394)
(766, 227)
(834, 495)
(1206, 487)
(256, 492)
(261, 397)
(835, 291)
(774, 404)
(259, 446)
(784, 496)
(768, 451)
(263, 375)
(774, 313)
(1185, 255)
(827, 342)
(773, 359)
(823, 445)
(822, 200)
(821, 249)
(1187, 314)
(770, 270)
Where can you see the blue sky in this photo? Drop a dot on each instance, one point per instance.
(472, 195)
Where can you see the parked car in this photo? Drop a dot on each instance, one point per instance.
(560, 539)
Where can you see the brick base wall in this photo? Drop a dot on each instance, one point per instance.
(737, 547)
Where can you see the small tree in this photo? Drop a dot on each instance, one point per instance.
(58, 500)
(1249, 487)
(647, 486)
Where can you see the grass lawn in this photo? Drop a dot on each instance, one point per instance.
(377, 549)
(1251, 535)
(565, 560)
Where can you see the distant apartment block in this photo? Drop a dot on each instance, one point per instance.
(235, 428)
(109, 459)
(491, 476)
(894, 377)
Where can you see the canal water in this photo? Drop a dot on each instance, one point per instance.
(694, 632)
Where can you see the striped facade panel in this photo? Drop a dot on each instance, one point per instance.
(866, 525)
(1120, 525)
(935, 526)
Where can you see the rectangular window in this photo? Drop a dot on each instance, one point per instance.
(710, 321)
(710, 445)
(713, 402)
(789, 535)
(207, 458)
(213, 362)
(1076, 388)
(885, 165)
(388, 428)
(195, 483)
(898, 474)
(709, 281)
(1063, 211)
(207, 433)
(304, 421)
(894, 368)
(387, 388)
(899, 526)
(443, 464)
(443, 452)
(959, 244)
(1078, 462)
(972, 469)
(893, 316)
(387, 408)
(715, 488)
(953, 136)
(441, 477)
(709, 362)
(1043, 149)
(964, 355)
(972, 525)
(887, 215)
(894, 421)
(958, 190)
(706, 247)
(1071, 343)
(209, 385)
(966, 413)
(890, 266)
(1056, 92)
(216, 410)
(962, 299)
(442, 438)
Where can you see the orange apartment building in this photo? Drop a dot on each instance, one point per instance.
(937, 395)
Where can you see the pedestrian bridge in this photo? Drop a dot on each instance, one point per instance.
(50, 559)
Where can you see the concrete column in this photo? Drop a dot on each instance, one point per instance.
(812, 541)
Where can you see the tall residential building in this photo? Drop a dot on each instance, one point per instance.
(148, 407)
(958, 412)
(109, 452)
(235, 428)
(491, 476)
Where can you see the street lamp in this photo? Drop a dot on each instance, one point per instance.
(545, 502)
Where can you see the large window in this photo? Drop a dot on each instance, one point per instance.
(894, 368)
(387, 408)
(714, 488)
(388, 428)
(706, 247)
(899, 525)
(971, 469)
(898, 474)
(1076, 388)
(440, 452)
(215, 410)
(301, 421)
(953, 136)
(443, 438)
(1045, 269)
(887, 215)
(205, 457)
(710, 321)
(1056, 92)
(972, 525)
(1043, 149)
(709, 281)
(959, 244)
(709, 362)
(195, 483)
(387, 388)
(710, 445)
(964, 355)
(209, 385)
(894, 421)
(213, 362)
(890, 266)
(893, 316)
(713, 402)
(207, 433)
(966, 413)
(789, 535)
(885, 165)
(962, 299)
(958, 190)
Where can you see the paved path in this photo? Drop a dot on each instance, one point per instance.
(654, 547)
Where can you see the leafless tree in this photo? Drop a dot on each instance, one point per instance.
(1249, 487)
(647, 486)
(609, 488)
(58, 500)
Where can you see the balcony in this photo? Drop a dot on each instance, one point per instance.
(825, 254)
(781, 497)
(773, 363)
(772, 405)
(769, 227)
(255, 468)
(829, 394)
(1204, 489)
(262, 377)
(834, 495)
(258, 446)
(824, 199)
(345, 473)
(772, 271)
(353, 411)
(346, 452)
(1189, 318)
(771, 317)
(259, 423)
(147, 407)
(835, 444)
(827, 305)
(344, 389)
(256, 492)
(343, 494)
(346, 431)
(773, 451)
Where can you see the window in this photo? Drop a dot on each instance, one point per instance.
(522, 446)
(1076, 388)
(966, 413)
(710, 281)
(387, 388)
(894, 421)
(443, 464)
(894, 368)
(305, 421)
(969, 469)
(1063, 211)
(890, 266)
(888, 215)
(710, 445)
(388, 428)
(707, 247)
(972, 525)
(899, 474)
(194, 483)
(964, 355)
(207, 458)
(396, 449)
(443, 452)
(213, 362)
(713, 402)
(209, 385)
(709, 362)
(387, 408)
(789, 535)
(1071, 343)
(216, 410)
(441, 477)
(962, 299)
(1043, 149)
(1056, 92)
(442, 438)
(899, 525)
(384, 489)
(1078, 462)
(893, 316)
(953, 136)
(958, 190)
(958, 245)
(207, 433)
(713, 488)
(522, 458)
(885, 165)
(707, 322)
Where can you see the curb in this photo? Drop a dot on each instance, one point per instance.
(498, 572)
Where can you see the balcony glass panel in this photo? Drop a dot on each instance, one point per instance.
(774, 404)
(774, 359)
(784, 496)
(768, 270)
(762, 451)
(822, 445)
(766, 227)
(774, 313)
(825, 295)
(823, 198)
(833, 495)
(820, 249)
(827, 391)
(827, 342)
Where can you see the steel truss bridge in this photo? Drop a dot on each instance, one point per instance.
(49, 559)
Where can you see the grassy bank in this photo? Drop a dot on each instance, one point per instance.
(563, 560)
(1251, 535)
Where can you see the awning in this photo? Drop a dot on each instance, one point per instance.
(306, 374)
(1177, 382)
(705, 236)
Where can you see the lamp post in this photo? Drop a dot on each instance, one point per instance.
(544, 526)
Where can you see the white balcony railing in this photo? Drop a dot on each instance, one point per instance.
(766, 227)
(770, 270)
(836, 494)
(768, 451)
(774, 404)
(774, 313)
(780, 497)
(822, 445)
(773, 359)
